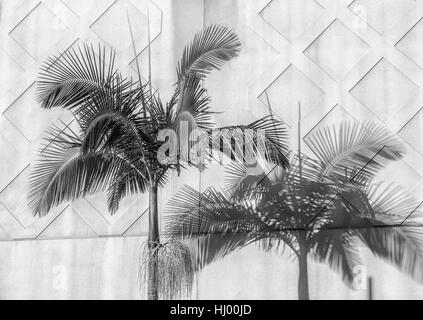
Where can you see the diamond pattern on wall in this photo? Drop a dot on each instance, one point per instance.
(411, 44)
(129, 203)
(22, 112)
(337, 38)
(39, 29)
(408, 178)
(382, 15)
(292, 18)
(12, 161)
(87, 7)
(256, 49)
(384, 90)
(140, 226)
(10, 67)
(14, 198)
(336, 115)
(68, 224)
(114, 22)
(47, 34)
(413, 131)
(290, 88)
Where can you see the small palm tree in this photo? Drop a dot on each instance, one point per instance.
(317, 208)
(115, 148)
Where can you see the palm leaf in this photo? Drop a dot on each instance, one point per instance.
(69, 78)
(209, 50)
(125, 181)
(193, 99)
(113, 122)
(63, 173)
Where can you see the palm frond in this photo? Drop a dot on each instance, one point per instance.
(125, 181)
(365, 148)
(119, 97)
(63, 173)
(275, 139)
(69, 78)
(210, 49)
(113, 130)
(193, 99)
(113, 122)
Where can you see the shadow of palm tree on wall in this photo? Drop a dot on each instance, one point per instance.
(115, 147)
(319, 208)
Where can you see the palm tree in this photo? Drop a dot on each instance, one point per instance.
(115, 147)
(320, 208)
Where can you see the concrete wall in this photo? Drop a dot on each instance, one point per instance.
(343, 59)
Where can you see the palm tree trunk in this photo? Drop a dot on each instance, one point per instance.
(303, 277)
(153, 243)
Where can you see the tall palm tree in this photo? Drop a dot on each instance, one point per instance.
(115, 148)
(320, 208)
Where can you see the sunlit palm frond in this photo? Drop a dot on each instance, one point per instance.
(113, 130)
(113, 123)
(365, 148)
(62, 173)
(210, 49)
(72, 76)
(118, 97)
(159, 114)
(275, 139)
(124, 182)
(193, 99)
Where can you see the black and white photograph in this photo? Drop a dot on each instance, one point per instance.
(211, 150)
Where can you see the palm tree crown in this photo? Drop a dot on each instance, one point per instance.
(115, 147)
